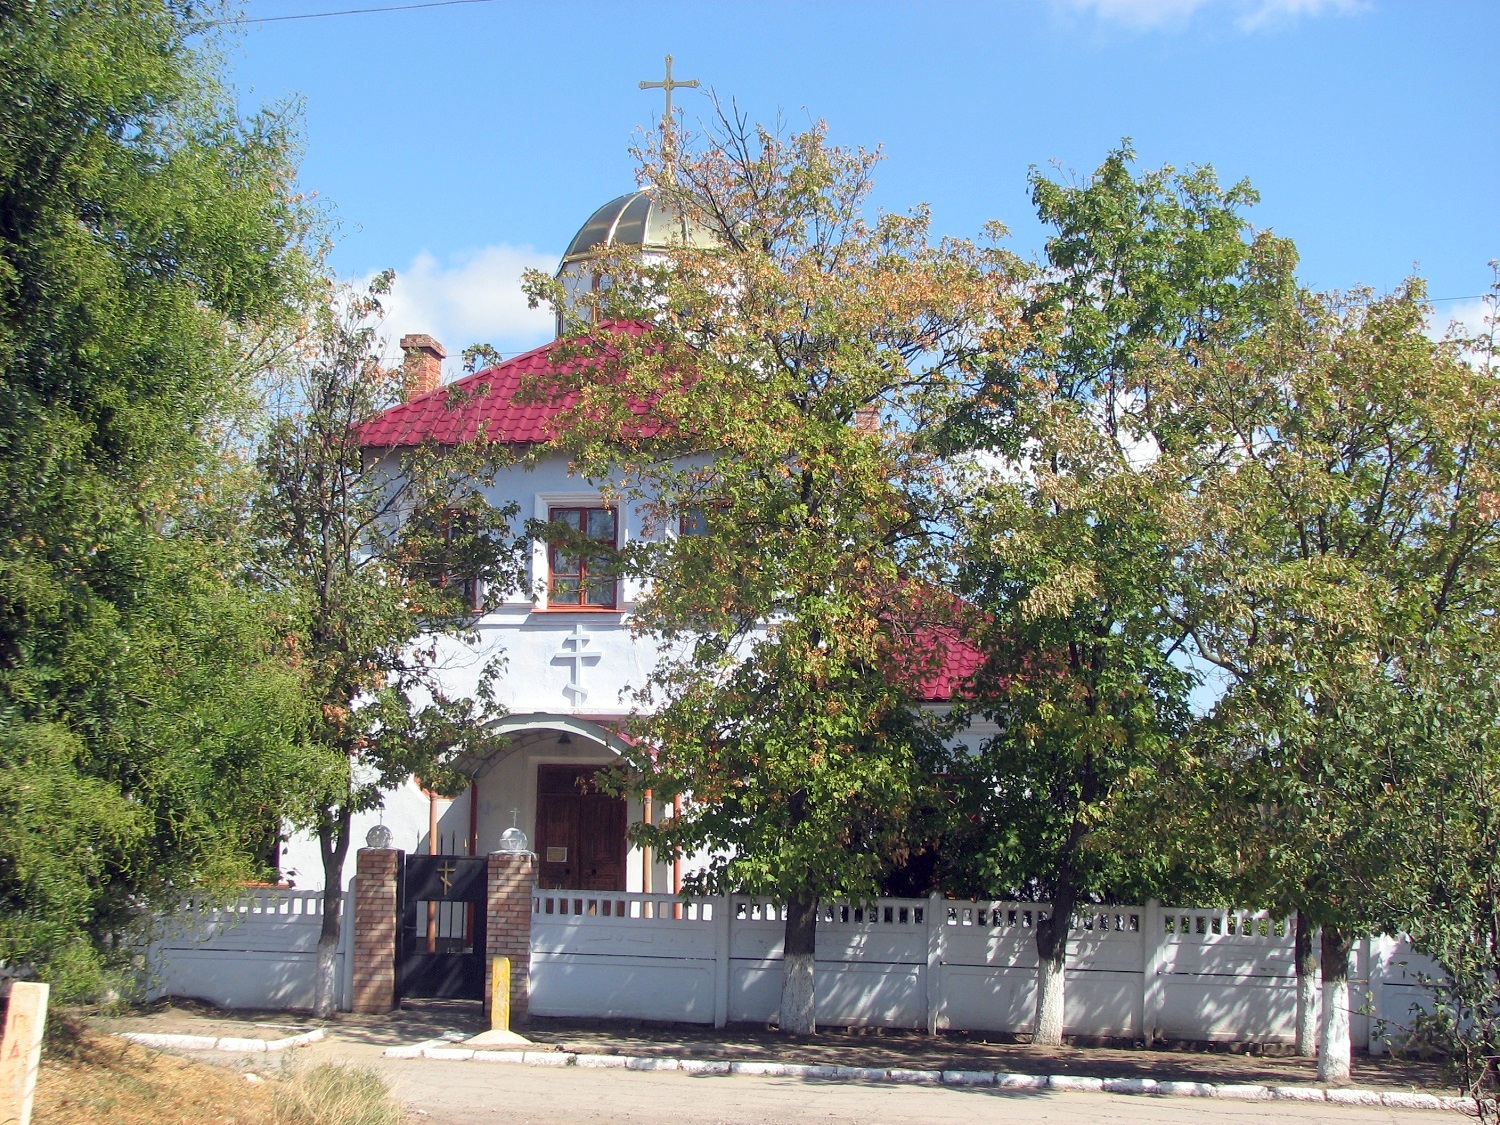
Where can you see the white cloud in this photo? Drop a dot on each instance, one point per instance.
(473, 297)
(1469, 315)
(1247, 15)
(1136, 13)
(1470, 318)
(1257, 14)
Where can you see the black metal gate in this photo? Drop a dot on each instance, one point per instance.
(440, 942)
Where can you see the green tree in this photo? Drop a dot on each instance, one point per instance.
(765, 415)
(149, 239)
(1069, 500)
(1443, 711)
(1345, 522)
(382, 553)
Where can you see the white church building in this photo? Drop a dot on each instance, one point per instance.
(599, 933)
(570, 657)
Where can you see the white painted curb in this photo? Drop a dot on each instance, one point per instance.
(1395, 1099)
(235, 1043)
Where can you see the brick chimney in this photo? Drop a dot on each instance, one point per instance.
(422, 368)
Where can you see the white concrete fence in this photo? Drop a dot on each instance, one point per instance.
(1143, 972)
(1137, 972)
(258, 951)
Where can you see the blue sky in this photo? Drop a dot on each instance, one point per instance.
(459, 143)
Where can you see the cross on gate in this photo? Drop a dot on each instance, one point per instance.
(572, 652)
(445, 875)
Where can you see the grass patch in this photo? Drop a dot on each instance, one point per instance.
(92, 1079)
(89, 1078)
(330, 1094)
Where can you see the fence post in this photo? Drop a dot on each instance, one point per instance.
(723, 908)
(937, 923)
(1376, 955)
(510, 878)
(346, 951)
(21, 1050)
(373, 975)
(1153, 963)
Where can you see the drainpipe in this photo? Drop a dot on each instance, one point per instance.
(677, 861)
(470, 907)
(432, 849)
(677, 855)
(646, 848)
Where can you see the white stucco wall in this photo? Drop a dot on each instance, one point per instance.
(559, 663)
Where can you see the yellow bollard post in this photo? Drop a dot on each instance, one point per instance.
(499, 993)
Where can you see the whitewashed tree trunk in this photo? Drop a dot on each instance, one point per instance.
(1307, 988)
(333, 846)
(799, 965)
(1334, 1052)
(1051, 971)
(1051, 981)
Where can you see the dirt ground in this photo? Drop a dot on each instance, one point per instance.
(95, 1079)
(418, 1020)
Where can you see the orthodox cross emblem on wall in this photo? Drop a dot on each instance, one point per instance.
(573, 653)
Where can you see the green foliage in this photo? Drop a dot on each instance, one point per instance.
(803, 768)
(786, 368)
(1345, 525)
(1443, 713)
(1069, 519)
(372, 552)
(149, 244)
(378, 554)
(60, 830)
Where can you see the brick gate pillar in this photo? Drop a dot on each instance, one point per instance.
(512, 875)
(374, 944)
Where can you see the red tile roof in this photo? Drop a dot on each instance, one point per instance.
(937, 654)
(954, 662)
(481, 405)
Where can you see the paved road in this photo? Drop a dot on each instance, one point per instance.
(469, 1093)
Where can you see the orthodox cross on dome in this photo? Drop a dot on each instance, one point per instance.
(573, 653)
(669, 154)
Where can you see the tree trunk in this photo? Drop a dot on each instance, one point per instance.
(333, 846)
(1051, 970)
(799, 951)
(1307, 988)
(1334, 1051)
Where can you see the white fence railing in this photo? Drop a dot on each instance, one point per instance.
(1138, 972)
(257, 951)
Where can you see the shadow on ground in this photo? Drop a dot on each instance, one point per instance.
(416, 1020)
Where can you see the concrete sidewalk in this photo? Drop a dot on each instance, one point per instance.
(767, 1060)
(468, 1093)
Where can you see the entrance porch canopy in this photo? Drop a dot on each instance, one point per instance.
(516, 727)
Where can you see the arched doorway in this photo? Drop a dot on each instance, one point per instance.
(542, 782)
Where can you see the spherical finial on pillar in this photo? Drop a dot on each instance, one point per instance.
(513, 841)
(378, 837)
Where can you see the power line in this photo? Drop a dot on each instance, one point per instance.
(345, 12)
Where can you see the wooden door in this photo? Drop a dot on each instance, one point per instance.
(580, 832)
